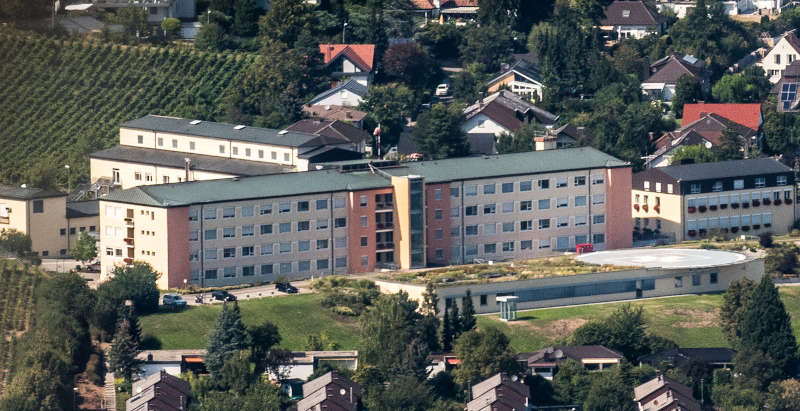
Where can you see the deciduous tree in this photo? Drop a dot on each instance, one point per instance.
(438, 132)
(483, 354)
(687, 90)
(136, 283)
(85, 249)
(696, 154)
(245, 17)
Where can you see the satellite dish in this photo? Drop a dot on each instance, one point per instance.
(342, 391)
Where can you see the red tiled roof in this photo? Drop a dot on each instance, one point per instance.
(361, 55)
(748, 115)
(422, 4)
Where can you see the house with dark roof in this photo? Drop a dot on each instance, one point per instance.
(545, 361)
(499, 392)
(330, 392)
(504, 112)
(779, 57)
(664, 75)
(160, 391)
(349, 61)
(521, 77)
(785, 90)
(706, 131)
(721, 357)
(334, 112)
(335, 129)
(664, 393)
(631, 19)
(349, 93)
(726, 198)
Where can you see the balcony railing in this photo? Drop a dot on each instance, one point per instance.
(384, 246)
(384, 225)
(384, 205)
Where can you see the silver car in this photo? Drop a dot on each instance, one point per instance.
(173, 300)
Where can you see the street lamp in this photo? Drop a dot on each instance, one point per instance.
(184, 283)
(344, 29)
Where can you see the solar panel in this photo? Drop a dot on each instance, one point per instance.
(690, 59)
(788, 94)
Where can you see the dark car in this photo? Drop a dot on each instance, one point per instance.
(92, 268)
(286, 287)
(222, 295)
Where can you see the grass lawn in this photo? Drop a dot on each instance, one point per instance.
(296, 316)
(689, 320)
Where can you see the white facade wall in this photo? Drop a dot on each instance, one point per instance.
(777, 59)
(483, 124)
(342, 98)
(137, 174)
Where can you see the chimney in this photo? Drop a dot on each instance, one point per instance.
(651, 135)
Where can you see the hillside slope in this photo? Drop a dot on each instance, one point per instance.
(61, 100)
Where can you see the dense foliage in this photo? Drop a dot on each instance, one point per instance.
(85, 90)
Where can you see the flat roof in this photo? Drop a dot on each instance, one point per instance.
(663, 257)
(28, 193)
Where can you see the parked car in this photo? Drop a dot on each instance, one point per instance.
(173, 300)
(286, 287)
(222, 295)
(442, 89)
(92, 268)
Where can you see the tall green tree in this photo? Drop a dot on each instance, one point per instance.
(430, 301)
(750, 86)
(696, 153)
(211, 37)
(245, 17)
(85, 249)
(447, 332)
(687, 90)
(766, 327)
(223, 6)
(731, 145)
(438, 132)
(521, 141)
(411, 65)
(401, 392)
(388, 105)
(610, 391)
(498, 12)
(25, 9)
(228, 336)
(262, 337)
(44, 175)
(487, 45)
(468, 313)
(623, 330)
(734, 303)
(136, 283)
(483, 354)
(124, 349)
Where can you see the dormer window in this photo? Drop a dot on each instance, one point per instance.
(626, 13)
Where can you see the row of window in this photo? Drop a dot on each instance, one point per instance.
(284, 268)
(266, 249)
(234, 150)
(284, 207)
(526, 205)
(63, 231)
(696, 280)
(725, 199)
(560, 244)
(522, 186)
(249, 230)
(729, 221)
(524, 225)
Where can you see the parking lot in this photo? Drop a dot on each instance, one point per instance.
(262, 291)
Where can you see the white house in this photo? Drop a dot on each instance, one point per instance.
(665, 73)
(348, 94)
(631, 19)
(681, 7)
(779, 57)
(349, 61)
(504, 112)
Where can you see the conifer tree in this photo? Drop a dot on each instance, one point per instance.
(430, 301)
(766, 327)
(447, 333)
(455, 321)
(468, 315)
(229, 335)
(125, 348)
(733, 308)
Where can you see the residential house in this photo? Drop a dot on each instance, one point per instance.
(706, 131)
(522, 78)
(52, 223)
(786, 50)
(157, 10)
(339, 113)
(682, 7)
(330, 392)
(692, 201)
(334, 129)
(685, 357)
(785, 89)
(665, 73)
(161, 392)
(359, 216)
(425, 9)
(748, 115)
(173, 362)
(499, 392)
(158, 149)
(631, 19)
(349, 61)
(664, 393)
(303, 363)
(348, 94)
(459, 11)
(504, 112)
(762, 6)
(545, 361)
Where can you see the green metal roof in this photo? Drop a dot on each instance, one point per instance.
(534, 162)
(244, 188)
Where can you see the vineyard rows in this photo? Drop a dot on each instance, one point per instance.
(16, 308)
(60, 100)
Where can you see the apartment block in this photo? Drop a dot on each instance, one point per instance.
(729, 198)
(159, 150)
(359, 216)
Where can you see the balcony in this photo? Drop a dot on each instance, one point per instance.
(384, 206)
(384, 247)
(129, 222)
(128, 261)
(129, 241)
(384, 226)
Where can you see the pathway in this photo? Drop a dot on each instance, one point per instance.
(109, 392)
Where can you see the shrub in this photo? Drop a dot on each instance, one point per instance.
(708, 246)
(344, 310)
(795, 232)
(95, 369)
(765, 239)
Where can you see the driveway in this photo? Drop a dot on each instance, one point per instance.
(261, 291)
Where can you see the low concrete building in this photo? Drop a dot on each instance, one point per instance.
(592, 357)
(499, 392)
(173, 362)
(303, 363)
(664, 393)
(330, 392)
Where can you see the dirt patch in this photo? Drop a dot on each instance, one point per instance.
(556, 329)
(89, 396)
(701, 319)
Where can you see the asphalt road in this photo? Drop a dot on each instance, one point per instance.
(262, 291)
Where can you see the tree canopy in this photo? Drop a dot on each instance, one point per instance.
(438, 133)
(228, 336)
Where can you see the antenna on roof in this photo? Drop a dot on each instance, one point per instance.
(194, 122)
(239, 127)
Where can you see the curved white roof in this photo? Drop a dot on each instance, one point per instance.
(663, 257)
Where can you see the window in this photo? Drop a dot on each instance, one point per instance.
(364, 260)
(229, 232)
(669, 188)
(562, 202)
(229, 252)
(471, 230)
(526, 205)
(338, 202)
(322, 204)
(286, 268)
(340, 262)
(524, 186)
(543, 184)
(507, 187)
(598, 179)
(598, 199)
(303, 226)
(140, 139)
(247, 152)
(562, 221)
(678, 282)
(302, 206)
(454, 191)
(267, 249)
(438, 214)
(38, 206)
(266, 229)
(454, 212)
(228, 212)
(273, 155)
(247, 230)
(488, 189)
(115, 175)
(210, 234)
(248, 251)
(260, 153)
(323, 264)
(598, 238)
(364, 221)
(766, 218)
(579, 181)
(760, 182)
(470, 190)
(285, 227)
(210, 254)
(508, 246)
(266, 269)
(322, 244)
(438, 234)
(265, 209)
(599, 219)
(580, 201)
(211, 274)
(222, 149)
(489, 229)
(712, 278)
(437, 194)
(526, 245)
(489, 248)
(364, 241)
(174, 143)
(471, 210)
(303, 245)
(545, 243)
(561, 182)
(322, 224)
(285, 247)
(544, 204)
(581, 239)
(362, 201)
(193, 235)
(777, 59)
(284, 207)
(229, 272)
(137, 176)
(471, 250)
(247, 211)
(340, 222)
(787, 194)
(694, 188)
(193, 214)
(508, 227)
(161, 142)
(544, 223)
(285, 156)
(489, 209)
(455, 231)
(738, 184)
(508, 207)
(191, 145)
(526, 225)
